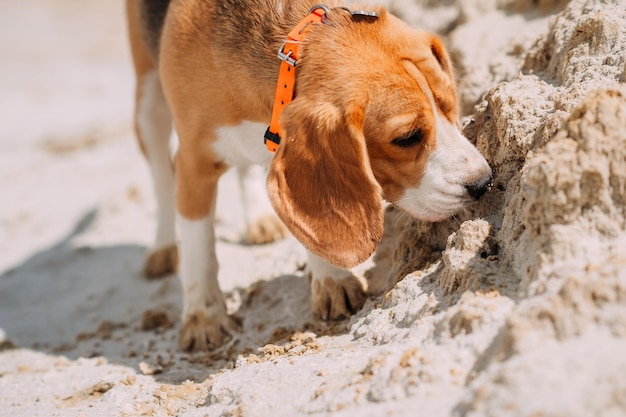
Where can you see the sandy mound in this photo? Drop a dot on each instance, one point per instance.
(515, 307)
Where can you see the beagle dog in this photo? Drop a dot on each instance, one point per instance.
(370, 114)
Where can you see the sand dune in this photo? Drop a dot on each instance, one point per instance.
(516, 307)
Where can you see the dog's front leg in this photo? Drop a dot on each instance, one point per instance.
(205, 323)
(336, 293)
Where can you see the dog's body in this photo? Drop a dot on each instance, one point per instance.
(375, 115)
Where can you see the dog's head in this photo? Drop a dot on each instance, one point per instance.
(375, 115)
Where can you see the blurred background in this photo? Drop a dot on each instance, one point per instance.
(65, 69)
(66, 96)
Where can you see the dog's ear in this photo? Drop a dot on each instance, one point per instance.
(321, 184)
(440, 54)
(439, 73)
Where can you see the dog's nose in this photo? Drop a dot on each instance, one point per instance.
(477, 188)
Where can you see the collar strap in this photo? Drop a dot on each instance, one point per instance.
(288, 54)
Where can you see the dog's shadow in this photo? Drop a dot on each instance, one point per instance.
(92, 301)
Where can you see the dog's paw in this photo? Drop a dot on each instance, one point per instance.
(266, 229)
(335, 299)
(201, 331)
(161, 262)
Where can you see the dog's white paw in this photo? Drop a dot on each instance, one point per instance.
(266, 229)
(335, 299)
(336, 293)
(161, 262)
(201, 331)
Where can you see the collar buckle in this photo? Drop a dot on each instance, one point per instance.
(286, 57)
(271, 140)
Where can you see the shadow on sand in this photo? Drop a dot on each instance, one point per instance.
(92, 301)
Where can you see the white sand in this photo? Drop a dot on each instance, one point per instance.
(523, 315)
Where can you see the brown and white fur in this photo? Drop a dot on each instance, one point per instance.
(375, 116)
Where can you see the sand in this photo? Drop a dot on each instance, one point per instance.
(515, 307)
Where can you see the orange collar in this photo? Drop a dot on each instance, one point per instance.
(288, 54)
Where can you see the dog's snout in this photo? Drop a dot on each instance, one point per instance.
(477, 188)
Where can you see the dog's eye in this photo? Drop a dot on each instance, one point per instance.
(411, 139)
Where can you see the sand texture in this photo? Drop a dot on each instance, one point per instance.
(515, 307)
